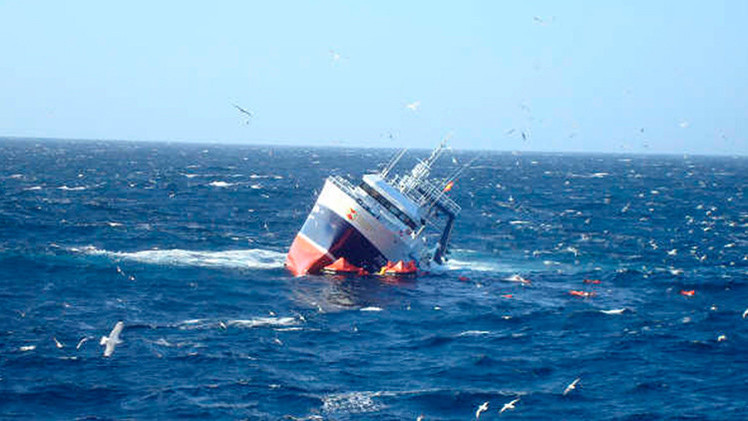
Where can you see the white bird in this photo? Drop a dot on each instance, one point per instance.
(672, 252)
(336, 56)
(81, 342)
(745, 313)
(508, 406)
(57, 343)
(481, 409)
(571, 386)
(112, 340)
(413, 106)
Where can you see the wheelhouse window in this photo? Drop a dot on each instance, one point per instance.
(388, 205)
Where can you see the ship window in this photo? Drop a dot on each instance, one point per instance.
(388, 205)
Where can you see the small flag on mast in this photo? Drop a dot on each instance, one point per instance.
(448, 187)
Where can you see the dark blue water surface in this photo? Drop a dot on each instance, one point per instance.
(185, 244)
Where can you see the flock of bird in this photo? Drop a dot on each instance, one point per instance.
(512, 404)
(109, 342)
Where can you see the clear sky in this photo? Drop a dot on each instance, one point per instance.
(582, 76)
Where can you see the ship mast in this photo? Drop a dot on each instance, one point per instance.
(422, 170)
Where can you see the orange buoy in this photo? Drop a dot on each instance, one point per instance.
(689, 293)
(592, 281)
(583, 294)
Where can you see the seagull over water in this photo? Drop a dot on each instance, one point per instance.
(508, 406)
(571, 386)
(481, 409)
(81, 342)
(112, 340)
(243, 111)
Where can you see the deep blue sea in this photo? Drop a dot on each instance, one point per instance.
(185, 244)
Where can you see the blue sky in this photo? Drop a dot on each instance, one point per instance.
(586, 76)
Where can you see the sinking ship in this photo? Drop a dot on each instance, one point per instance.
(388, 224)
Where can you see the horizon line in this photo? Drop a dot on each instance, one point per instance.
(341, 146)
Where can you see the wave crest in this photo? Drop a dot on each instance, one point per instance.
(242, 259)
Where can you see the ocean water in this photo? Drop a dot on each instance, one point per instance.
(185, 244)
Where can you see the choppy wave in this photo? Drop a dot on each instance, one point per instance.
(264, 322)
(242, 259)
(352, 402)
(220, 183)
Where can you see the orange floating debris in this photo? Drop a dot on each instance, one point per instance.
(583, 294)
(507, 295)
(343, 267)
(688, 293)
(592, 281)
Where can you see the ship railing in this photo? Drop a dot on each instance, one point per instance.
(344, 185)
(427, 193)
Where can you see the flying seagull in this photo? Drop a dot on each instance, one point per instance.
(112, 340)
(571, 386)
(508, 406)
(243, 111)
(81, 342)
(481, 409)
(413, 106)
(336, 56)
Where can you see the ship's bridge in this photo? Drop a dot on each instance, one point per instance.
(392, 197)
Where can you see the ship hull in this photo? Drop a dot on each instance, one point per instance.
(339, 226)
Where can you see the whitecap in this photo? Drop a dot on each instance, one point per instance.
(249, 259)
(264, 322)
(517, 278)
(27, 348)
(66, 188)
(372, 308)
(476, 265)
(33, 188)
(351, 402)
(220, 184)
(289, 329)
(474, 333)
(614, 311)
(163, 342)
